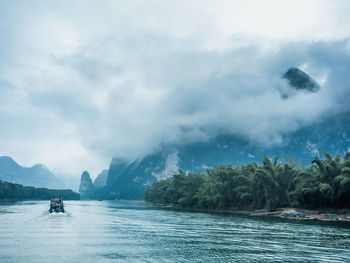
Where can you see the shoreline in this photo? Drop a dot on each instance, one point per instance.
(330, 214)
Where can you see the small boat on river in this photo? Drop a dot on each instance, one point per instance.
(56, 205)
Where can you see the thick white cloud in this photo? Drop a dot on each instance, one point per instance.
(84, 81)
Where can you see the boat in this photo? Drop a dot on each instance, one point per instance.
(56, 205)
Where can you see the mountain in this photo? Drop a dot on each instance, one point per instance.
(300, 80)
(38, 175)
(295, 81)
(101, 179)
(86, 187)
(128, 180)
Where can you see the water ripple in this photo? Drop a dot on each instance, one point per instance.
(132, 232)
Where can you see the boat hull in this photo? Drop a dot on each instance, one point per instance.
(56, 210)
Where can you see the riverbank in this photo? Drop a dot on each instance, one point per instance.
(290, 213)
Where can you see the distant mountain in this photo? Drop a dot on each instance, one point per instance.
(86, 187)
(101, 179)
(38, 175)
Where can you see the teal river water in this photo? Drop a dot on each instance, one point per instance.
(122, 231)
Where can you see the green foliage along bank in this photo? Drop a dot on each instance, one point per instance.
(10, 191)
(274, 184)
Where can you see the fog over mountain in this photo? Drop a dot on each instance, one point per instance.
(83, 83)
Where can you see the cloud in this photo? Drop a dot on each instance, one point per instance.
(82, 83)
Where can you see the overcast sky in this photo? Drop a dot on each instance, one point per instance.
(83, 81)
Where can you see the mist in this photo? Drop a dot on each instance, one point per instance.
(80, 91)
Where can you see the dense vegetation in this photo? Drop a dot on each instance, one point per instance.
(274, 184)
(10, 191)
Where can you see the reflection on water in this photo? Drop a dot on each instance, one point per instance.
(122, 231)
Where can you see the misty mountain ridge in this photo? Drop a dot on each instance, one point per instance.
(38, 175)
(128, 180)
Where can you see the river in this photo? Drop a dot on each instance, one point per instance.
(126, 231)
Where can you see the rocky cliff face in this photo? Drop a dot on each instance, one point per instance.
(86, 187)
(128, 180)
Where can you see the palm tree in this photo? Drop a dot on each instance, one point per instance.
(343, 182)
